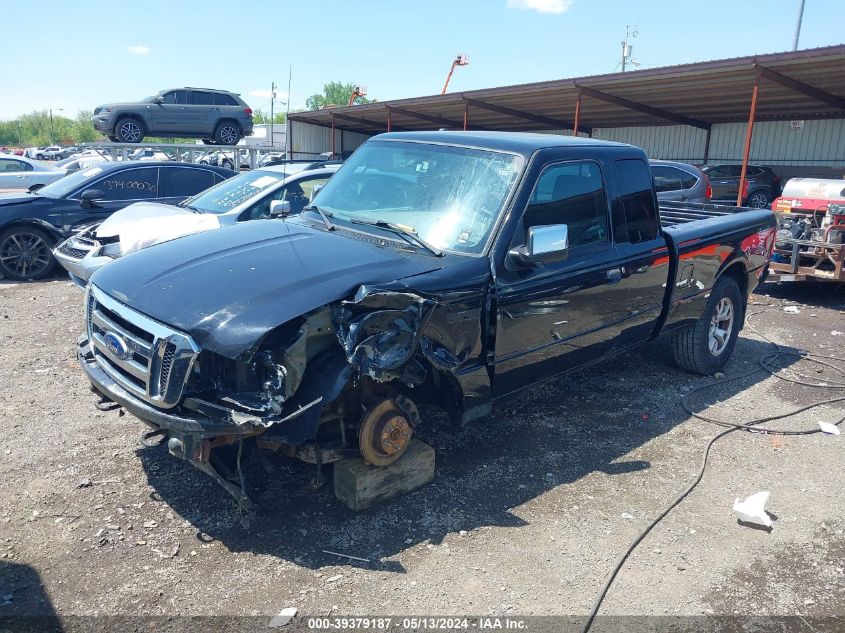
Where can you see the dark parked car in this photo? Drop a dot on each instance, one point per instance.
(32, 223)
(679, 182)
(761, 188)
(215, 116)
(449, 268)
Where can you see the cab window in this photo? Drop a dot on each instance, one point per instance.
(176, 97)
(571, 194)
(640, 218)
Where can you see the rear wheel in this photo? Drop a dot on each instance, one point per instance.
(227, 133)
(129, 131)
(25, 253)
(228, 164)
(758, 200)
(705, 347)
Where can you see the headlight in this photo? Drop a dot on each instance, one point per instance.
(111, 250)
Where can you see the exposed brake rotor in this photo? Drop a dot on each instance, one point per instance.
(384, 434)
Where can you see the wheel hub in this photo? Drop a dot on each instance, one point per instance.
(24, 254)
(384, 434)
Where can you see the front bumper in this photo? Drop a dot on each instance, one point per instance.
(79, 268)
(195, 426)
(102, 123)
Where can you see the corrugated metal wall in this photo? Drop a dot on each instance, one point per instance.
(818, 143)
(815, 143)
(311, 140)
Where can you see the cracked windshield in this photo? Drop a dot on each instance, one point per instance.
(448, 196)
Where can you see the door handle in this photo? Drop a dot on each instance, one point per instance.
(614, 275)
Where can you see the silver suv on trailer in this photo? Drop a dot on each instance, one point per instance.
(216, 116)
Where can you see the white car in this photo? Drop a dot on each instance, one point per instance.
(82, 161)
(17, 172)
(251, 195)
(148, 154)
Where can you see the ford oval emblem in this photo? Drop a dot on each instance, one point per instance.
(116, 345)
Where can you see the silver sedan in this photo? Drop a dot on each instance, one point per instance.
(17, 172)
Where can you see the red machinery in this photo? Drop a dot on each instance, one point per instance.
(811, 231)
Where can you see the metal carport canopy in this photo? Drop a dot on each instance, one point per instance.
(802, 84)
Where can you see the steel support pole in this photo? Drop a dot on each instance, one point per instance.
(466, 116)
(389, 120)
(748, 133)
(332, 135)
(577, 115)
(707, 146)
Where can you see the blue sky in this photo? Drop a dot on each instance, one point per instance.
(76, 55)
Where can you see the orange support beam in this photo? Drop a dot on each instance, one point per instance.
(577, 115)
(389, 120)
(332, 135)
(466, 116)
(748, 133)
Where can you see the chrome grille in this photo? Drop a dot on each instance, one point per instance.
(145, 357)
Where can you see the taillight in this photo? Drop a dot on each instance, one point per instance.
(248, 111)
(709, 191)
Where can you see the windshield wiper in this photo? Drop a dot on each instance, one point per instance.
(407, 232)
(323, 214)
(192, 208)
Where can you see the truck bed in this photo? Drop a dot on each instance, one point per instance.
(673, 213)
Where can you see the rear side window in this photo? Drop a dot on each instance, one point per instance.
(640, 223)
(14, 165)
(130, 184)
(201, 98)
(667, 179)
(224, 100)
(185, 181)
(571, 194)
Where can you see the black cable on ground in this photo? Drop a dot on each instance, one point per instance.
(766, 364)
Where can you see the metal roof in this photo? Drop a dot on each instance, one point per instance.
(802, 84)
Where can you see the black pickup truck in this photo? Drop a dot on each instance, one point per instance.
(453, 268)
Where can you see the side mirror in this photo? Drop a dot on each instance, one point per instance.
(317, 189)
(158, 100)
(89, 197)
(546, 244)
(279, 208)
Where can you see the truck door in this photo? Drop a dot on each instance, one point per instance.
(557, 315)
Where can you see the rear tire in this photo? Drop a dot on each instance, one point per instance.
(208, 141)
(704, 347)
(227, 133)
(25, 253)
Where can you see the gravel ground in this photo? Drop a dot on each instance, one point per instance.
(529, 511)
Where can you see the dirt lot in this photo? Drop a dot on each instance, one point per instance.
(530, 508)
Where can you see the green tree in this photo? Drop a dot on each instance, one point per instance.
(259, 117)
(335, 94)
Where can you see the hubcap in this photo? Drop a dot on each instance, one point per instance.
(721, 326)
(229, 135)
(24, 254)
(130, 132)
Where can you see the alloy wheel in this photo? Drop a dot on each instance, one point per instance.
(758, 200)
(229, 135)
(130, 132)
(721, 326)
(24, 254)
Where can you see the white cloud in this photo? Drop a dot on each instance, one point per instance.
(542, 6)
(139, 50)
(266, 94)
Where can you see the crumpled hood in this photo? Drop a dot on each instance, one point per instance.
(145, 224)
(228, 288)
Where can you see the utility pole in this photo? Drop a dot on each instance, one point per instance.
(272, 99)
(627, 49)
(51, 126)
(287, 112)
(798, 25)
